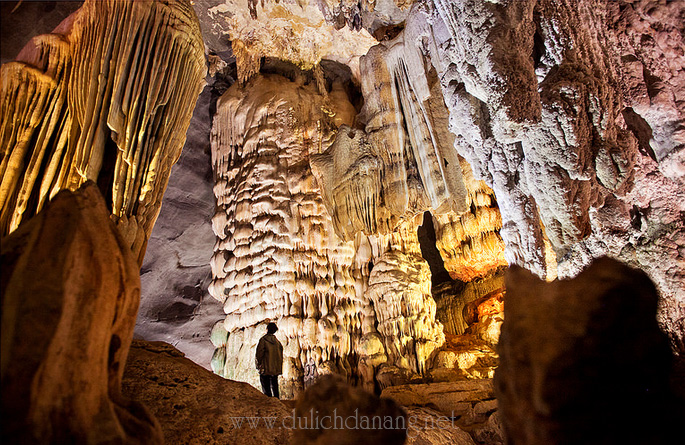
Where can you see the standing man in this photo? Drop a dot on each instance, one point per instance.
(269, 360)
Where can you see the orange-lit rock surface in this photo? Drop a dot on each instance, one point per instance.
(70, 293)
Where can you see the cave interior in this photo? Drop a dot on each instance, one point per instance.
(462, 211)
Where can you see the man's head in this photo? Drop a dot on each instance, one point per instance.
(271, 328)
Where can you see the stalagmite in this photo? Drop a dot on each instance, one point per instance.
(113, 107)
(260, 144)
(70, 294)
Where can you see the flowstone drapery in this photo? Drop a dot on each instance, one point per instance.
(278, 257)
(87, 103)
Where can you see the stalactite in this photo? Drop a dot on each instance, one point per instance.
(470, 244)
(404, 162)
(89, 103)
(403, 154)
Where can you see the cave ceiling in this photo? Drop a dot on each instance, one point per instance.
(344, 154)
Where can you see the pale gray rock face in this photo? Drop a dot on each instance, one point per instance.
(175, 305)
(554, 105)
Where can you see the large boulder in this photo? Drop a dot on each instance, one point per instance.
(336, 413)
(194, 406)
(584, 361)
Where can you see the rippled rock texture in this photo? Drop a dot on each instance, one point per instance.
(84, 103)
(554, 105)
(278, 257)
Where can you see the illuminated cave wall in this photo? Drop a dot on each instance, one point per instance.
(565, 143)
(318, 213)
(541, 133)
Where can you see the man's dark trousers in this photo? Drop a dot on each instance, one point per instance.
(269, 385)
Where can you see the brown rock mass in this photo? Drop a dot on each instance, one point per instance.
(70, 293)
(583, 360)
(194, 405)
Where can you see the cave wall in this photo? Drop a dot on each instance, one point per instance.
(521, 126)
(175, 275)
(540, 97)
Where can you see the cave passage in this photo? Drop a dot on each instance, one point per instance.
(430, 253)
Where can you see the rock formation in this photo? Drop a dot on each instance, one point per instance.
(278, 256)
(461, 406)
(331, 411)
(550, 103)
(70, 293)
(84, 103)
(193, 405)
(106, 97)
(535, 133)
(296, 32)
(583, 360)
(527, 155)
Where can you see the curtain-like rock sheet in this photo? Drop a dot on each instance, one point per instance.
(404, 162)
(107, 97)
(405, 149)
(278, 257)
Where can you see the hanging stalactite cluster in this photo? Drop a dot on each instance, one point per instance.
(113, 107)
